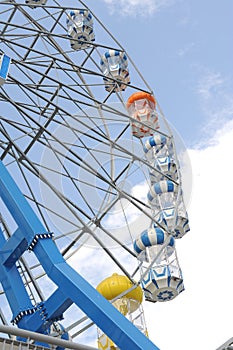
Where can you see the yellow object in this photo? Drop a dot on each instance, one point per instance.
(104, 343)
(122, 305)
(113, 286)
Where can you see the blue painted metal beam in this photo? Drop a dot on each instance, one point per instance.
(19, 208)
(94, 305)
(4, 68)
(57, 304)
(13, 286)
(13, 248)
(54, 307)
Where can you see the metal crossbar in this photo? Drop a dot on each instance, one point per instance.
(31, 338)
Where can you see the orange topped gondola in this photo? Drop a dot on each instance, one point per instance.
(141, 107)
(140, 96)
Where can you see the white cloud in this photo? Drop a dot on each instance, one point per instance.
(186, 49)
(209, 84)
(200, 317)
(137, 7)
(216, 101)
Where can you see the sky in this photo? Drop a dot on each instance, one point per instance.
(184, 50)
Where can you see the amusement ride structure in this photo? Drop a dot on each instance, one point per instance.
(90, 182)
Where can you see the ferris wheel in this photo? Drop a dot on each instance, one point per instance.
(90, 180)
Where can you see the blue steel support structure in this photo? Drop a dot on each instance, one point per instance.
(71, 287)
(4, 68)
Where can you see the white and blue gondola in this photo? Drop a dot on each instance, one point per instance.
(161, 281)
(114, 66)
